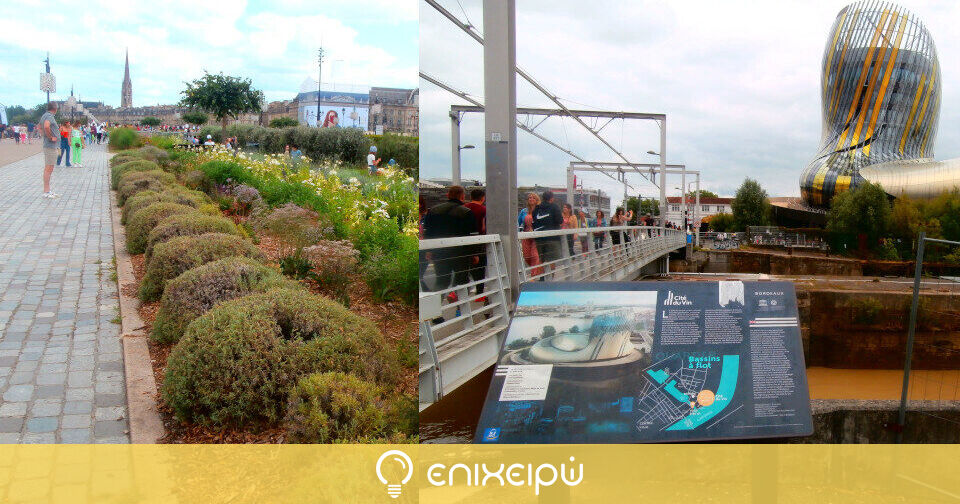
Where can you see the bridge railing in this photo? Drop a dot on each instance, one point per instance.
(460, 331)
(585, 254)
(465, 300)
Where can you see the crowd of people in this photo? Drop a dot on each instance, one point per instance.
(457, 217)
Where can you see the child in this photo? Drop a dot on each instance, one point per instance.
(77, 143)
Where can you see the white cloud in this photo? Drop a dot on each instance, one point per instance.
(173, 41)
(737, 80)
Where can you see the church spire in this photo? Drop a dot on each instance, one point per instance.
(126, 92)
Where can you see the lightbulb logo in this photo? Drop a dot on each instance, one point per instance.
(403, 466)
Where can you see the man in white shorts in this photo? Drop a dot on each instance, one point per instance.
(50, 131)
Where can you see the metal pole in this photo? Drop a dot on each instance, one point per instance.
(455, 139)
(500, 128)
(683, 197)
(48, 71)
(696, 212)
(663, 174)
(319, 76)
(911, 330)
(570, 188)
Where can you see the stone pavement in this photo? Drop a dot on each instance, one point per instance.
(61, 364)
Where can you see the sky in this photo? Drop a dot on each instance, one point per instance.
(272, 42)
(620, 298)
(738, 81)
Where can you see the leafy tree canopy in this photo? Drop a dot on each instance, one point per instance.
(195, 117)
(863, 210)
(704, 194)
(150, 121)
(223, 96)
(751, 206)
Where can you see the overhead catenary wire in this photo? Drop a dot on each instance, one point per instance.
(472, 32)
(437, 82)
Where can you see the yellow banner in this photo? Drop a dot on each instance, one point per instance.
(719, 473)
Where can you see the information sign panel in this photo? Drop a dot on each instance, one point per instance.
(649, 362)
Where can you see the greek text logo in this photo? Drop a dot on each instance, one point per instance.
(517, 475)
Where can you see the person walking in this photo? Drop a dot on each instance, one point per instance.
(77, 144)
(529, 245)
(548, 217)
(477, 206)
(51, 138)
(447, 220)
(64, 143)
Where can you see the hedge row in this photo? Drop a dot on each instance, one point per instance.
(348, 145)
(252, 348)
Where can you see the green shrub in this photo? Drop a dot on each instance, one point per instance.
(124, 138)
(183, 156)
(198, 181)
(173, 194)
(328, 407)
(374, 235)
(153, 153)
(332, 265)
(188, 224)
(283, 122)
(294, 226)
(123, 157)
(117, 171)
(144, 220)
(237, 363)
(133, 182)
(393, 273)
(198, 290)
(166, 142)
(405, 150)
(173, 257)
(222, 171)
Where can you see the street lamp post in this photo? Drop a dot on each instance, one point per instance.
(455, 179)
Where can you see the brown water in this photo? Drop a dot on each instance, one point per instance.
(455, 418)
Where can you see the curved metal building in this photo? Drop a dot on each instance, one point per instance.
(880, 91)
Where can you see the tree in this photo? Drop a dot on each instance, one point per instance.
(197, 118)
(704, 194)
(633, 203)
(721, 222)
(223, 96)
(750, 205)
(649, 206)
(548, 331)
(282, 122)
(150, 121)
(863, 211)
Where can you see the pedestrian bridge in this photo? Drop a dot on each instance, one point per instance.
(465, 305)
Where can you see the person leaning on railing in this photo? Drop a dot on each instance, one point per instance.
(451, 219)
(599, 221)
(582, 224)
(528, 245)
(548, 217)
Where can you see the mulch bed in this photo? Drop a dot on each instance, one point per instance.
(397, 322)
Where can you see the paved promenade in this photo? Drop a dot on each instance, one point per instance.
(61, 366)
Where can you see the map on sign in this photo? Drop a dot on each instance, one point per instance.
(642, 362)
